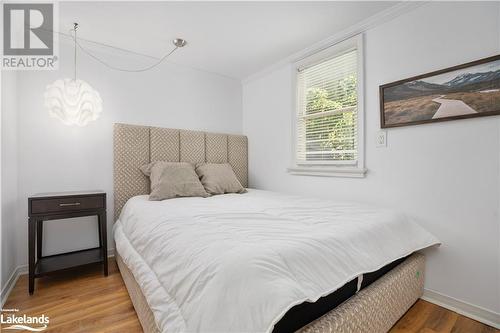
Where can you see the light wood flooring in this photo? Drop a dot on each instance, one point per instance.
(88, 302)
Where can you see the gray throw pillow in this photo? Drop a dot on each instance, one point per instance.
(219, 178)
(173, 179)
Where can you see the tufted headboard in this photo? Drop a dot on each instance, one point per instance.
(134, 146)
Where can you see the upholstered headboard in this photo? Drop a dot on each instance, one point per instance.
(138, 145)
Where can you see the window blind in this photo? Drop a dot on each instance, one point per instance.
(327, 111)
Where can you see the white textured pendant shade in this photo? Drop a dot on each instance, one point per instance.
(74, 102)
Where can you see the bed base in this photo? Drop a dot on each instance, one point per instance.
(372, 310)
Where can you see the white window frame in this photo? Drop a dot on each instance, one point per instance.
(332, 168)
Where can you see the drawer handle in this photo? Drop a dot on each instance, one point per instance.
(69, 204)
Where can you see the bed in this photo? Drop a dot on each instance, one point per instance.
(242, 262)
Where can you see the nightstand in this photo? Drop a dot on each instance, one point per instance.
(55, 206)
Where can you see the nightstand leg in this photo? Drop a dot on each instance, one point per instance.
(103, 240)
(39, 236)
(99, 227)
(31, 253)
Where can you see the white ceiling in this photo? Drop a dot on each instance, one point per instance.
(234, 39)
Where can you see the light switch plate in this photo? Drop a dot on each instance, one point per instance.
(381, 139)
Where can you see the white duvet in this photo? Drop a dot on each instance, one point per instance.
(238, 262)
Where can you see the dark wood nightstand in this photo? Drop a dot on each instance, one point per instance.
(54, 206)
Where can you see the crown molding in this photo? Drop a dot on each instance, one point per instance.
(360, 27)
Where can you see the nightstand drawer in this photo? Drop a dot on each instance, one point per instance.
(74, 203)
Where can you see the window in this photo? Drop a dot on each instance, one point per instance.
(328, 117)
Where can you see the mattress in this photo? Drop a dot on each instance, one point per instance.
(302, 314)
(241, 262)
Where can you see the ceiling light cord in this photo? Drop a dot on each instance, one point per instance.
(75, 27)
(124, 69)
(178, 43)
(114, 67)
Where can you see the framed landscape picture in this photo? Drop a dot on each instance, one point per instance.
(463, 91)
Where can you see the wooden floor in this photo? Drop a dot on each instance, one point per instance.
(88, 302)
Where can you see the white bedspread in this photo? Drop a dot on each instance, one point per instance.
(238, 262)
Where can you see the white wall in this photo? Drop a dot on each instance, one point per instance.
(446, 175)
(8, 175)
(55, 157)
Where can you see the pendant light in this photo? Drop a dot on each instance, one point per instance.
(73, 101)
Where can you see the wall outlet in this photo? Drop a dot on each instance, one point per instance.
(381, 139)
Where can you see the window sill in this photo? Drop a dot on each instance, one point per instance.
(329, 171)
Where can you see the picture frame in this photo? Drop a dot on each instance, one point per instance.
(468, 90)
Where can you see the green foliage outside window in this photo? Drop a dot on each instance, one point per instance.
(332, 136)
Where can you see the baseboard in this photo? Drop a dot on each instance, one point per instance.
(11, 282)
(22, 270)
(475, 312)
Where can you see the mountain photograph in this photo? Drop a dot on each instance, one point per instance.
(471, 91)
